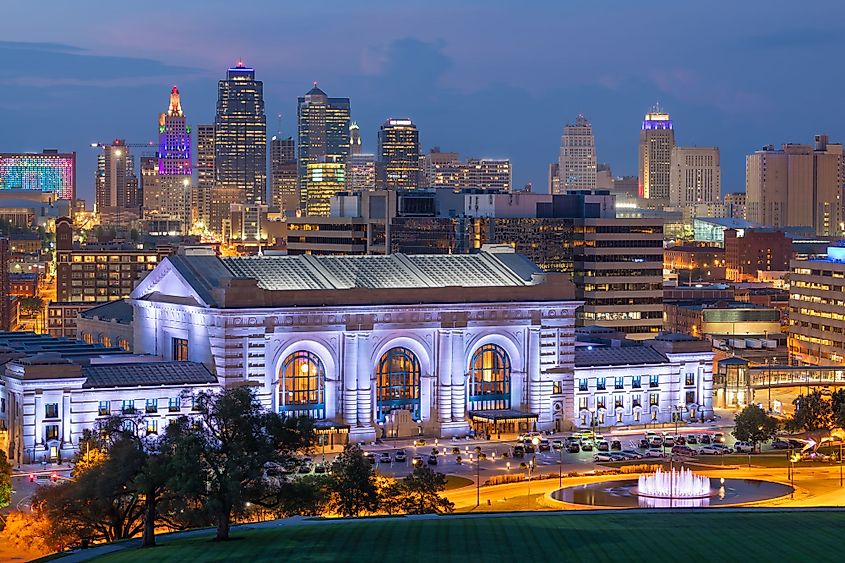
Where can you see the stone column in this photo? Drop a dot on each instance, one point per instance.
(350, 379)
(39, 419)
(443, 369)
(66, 438)
(533, 370)
(458, 376)
(365, 429)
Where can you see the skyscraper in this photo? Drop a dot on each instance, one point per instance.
(284, 191)
(322, 181)
(695, 176)
(487, 174)
(440, 169)
(323, 125)
(361, 172)
(399, 154)
(657, 138)
(167, 190)
(116, 183)
(240, 136)
(796, 186)
(577, 163)
(354, 139)
(205, 175)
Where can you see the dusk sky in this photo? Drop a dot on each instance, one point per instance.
(484, 78)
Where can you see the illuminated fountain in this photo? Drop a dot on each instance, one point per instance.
(681, 483)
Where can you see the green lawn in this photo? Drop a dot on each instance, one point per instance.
(707, 535)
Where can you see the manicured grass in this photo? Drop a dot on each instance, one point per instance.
(707, 535)
(456, 482)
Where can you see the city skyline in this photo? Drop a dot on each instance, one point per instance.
(461, 78)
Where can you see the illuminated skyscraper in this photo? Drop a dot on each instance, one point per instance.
(116, 183)
(284, 191)
(49, 171)
(657, 138)
(323, 129)
(167, 188)
(322, 181)
(240, 136)
(354, 139)
(487, 174)
(399, 154)
(205, 175)
(361, 172)
(577, 162)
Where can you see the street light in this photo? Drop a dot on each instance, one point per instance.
(535, 441)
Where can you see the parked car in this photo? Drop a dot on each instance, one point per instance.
(587, 445)
(416, 460)
(669, 441)
(432, 459)
(705, 439)
(384, 458)
(419, 442)
(724, 448)
(528, 447)
(602, 446)
(744, 447)
(545, 445)
(655, 442)
(719, 438)
(654, 452)
(320, 469)
(573, 448)
(781, 445)
(711, 450)
(557, 444)
(683, 450)
(518, 451)
(692, 439)
(400, 456)
(305, 468)
(631, 454)
(602, 456)
(680, 441)
(615, 445)
(644, 444)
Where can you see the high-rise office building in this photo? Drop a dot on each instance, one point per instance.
(361, 172)
(554, 178)
(577, 163)
(205, 175)
(487, 174)
(116, 182)
(167, 190)
(48, 172)
(399, 154)
(322, 181)
(440, 169)
(657, 138)
(695, 176)
(240, 135)
(796, 186)
(323, 130)
(284, 190)
(355, 146)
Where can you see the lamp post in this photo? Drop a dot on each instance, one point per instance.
(478, 481)
(535, 441)
(560, 466)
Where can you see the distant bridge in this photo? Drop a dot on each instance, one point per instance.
(765, 377)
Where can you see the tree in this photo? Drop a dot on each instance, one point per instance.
(422, 488)
(5, 480)
(31, 305)
(754, 425)
(307, 496)
(218, 458)
(353, 483)
(391, 495)
(812, 412)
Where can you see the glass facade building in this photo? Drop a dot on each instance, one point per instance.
(399, 154)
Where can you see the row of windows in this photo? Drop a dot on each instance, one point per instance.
(302, 382)
(127, 406)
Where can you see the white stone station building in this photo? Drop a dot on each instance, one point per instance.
(372, 345)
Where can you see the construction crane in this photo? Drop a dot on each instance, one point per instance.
(121, 143)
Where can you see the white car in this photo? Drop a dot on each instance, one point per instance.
(653, 452)
(744, 447)
(714, 449)
(604, 456)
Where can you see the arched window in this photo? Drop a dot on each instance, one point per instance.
(490, 379)
(302, 385)
(398, 379)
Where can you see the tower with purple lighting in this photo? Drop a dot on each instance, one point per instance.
(174, 139)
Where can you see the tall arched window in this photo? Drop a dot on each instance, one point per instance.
(398, 377)
(490, 379)
(302, 384)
